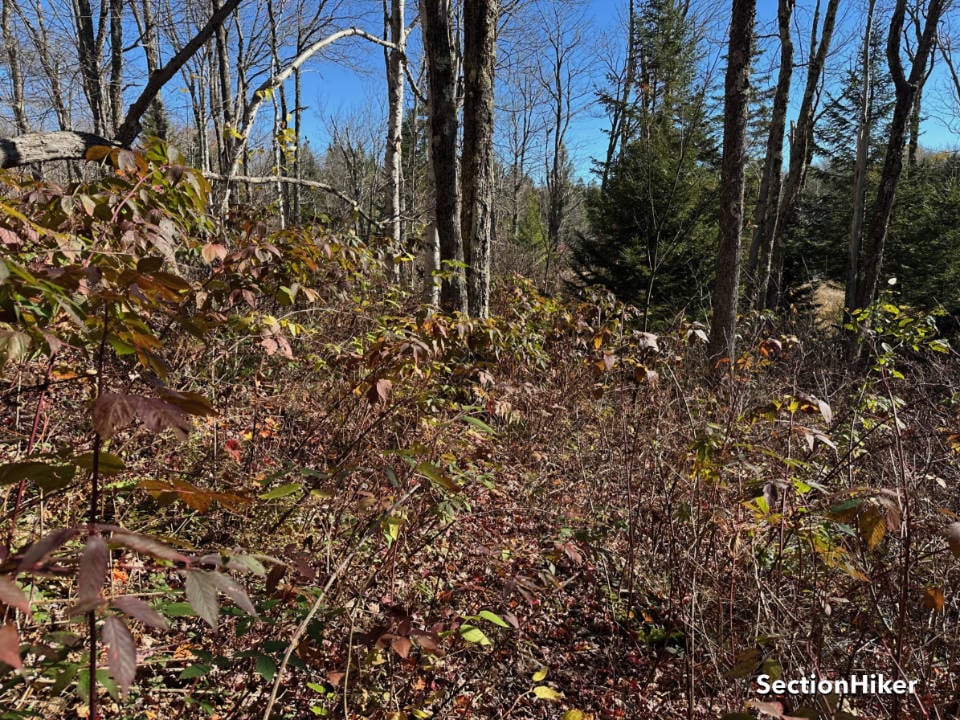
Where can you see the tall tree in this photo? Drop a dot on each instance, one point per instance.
(865, 120)
(648, 236)
(395, 59)
(768, 197)
(907, 88)
(16, 73)
(801, 153)
(442, 100)
(479, 63)
(723, 327)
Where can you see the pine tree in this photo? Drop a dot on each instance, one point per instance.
(649, 239)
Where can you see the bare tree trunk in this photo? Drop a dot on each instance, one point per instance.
(723, 328)
(225, 136)
(16, 75)
(439, 50)
(864, 125)
(39, 34)
(89, 57)
(907, 89)
(116, 65)
(800, 152)
(395, 59)
(479, 63)
(619, 124)
(768, 198)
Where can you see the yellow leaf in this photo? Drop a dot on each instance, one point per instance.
(872, 525)
(540, 674)
(573, 715)
(547, 693)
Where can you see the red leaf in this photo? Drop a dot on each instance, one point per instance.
(93, 570)
(144, 544)
(121, 652)
(12, 596)
(401, 646)
(139, 610)
(10, 646)
(44, 546)
(231, 588)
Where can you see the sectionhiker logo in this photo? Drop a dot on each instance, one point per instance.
(866, 684)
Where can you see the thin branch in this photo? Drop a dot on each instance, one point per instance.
(269, 179)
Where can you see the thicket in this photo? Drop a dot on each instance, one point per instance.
(547, 513)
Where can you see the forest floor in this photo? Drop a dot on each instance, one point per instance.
(380, 512)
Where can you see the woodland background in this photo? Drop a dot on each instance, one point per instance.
(599, 367)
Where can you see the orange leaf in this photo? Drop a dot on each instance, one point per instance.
(933, 599)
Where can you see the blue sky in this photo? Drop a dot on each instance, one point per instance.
(354, 96)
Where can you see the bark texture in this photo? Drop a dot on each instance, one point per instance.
(442, 80)
(722, 343)
(768, 197)
(41, 147)
(479, 61)
(907, 89)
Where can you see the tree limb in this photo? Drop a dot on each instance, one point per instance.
(276, 80)
(131, 124)
(41, 147)
(270, 179)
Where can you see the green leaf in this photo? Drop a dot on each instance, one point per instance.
(437, 476)
(178, 609)
(480, 424)
(109, 464)
(282, 491)
(266, 667)
(494, 618)
(197, 670)
(47, 477)
(547, 693)
(473, 634)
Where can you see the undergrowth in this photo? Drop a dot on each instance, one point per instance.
(548, 513)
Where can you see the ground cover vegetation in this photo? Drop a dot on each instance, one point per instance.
(446, 424)
(246, 473)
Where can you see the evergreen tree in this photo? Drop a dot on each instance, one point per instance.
(650, 237)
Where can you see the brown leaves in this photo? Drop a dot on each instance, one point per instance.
(92, 572)
(139, 610)
(121, 652)
(379, 391)
(953, 538)
(114, 411)
(10, 646)
(12, 596)
(933, 599)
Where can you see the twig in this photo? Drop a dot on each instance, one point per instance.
(302, 627)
